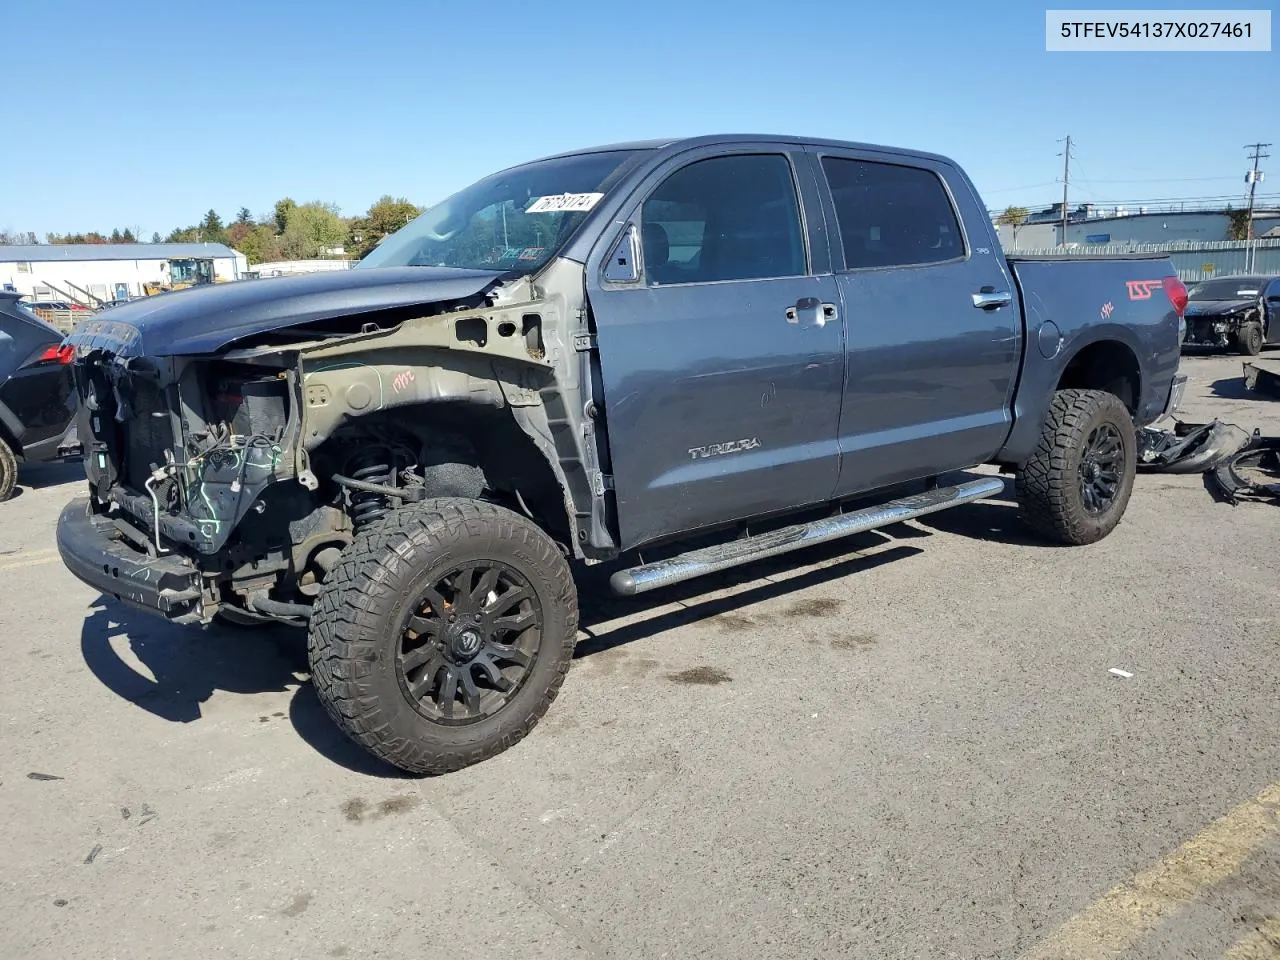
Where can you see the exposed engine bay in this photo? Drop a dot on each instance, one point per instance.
(258, 464)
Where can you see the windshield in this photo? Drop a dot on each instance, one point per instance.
(1233, 288)
(514, 220)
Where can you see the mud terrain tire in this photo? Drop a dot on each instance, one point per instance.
(384, 646)
(1087, 444)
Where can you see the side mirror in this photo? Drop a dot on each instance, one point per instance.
(623, 265)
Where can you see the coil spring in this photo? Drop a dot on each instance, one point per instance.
(371, 467)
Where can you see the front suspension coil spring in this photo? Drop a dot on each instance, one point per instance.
(370, 466)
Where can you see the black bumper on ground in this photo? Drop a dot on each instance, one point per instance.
(94, 550)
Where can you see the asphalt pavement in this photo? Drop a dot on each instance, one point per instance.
(908, 744)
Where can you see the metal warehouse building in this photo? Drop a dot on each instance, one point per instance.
(89, 272)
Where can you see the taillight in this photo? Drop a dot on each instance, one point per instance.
(1176, 291)
(58, 354)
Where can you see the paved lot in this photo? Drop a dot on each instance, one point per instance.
(905, 746)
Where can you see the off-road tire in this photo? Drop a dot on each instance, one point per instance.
(1249, 339)
(355, 628)
(1048, 484)
(8, 471)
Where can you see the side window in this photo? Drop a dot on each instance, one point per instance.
(891, 215)
(726, 218)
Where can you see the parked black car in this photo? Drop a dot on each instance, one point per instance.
(1239, 312)
(37, 396)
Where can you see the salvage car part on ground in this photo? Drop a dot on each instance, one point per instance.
(1190, 447)
(1252, 473)
(1263, 377)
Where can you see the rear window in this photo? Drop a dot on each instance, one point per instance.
(891, 215)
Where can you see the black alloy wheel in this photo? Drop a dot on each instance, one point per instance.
(1101, 468)
(468, 642)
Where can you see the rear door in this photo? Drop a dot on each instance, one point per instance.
(723, 359)
(933, 325)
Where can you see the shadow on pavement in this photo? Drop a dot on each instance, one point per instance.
(597, 606)
(1233, 388)
(996, 522)
(37, 475)
(187, 663)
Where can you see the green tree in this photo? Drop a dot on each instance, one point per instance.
(156, 238)
(1237, 224)
(116, 237)
(385, 216)
(127, 236)
(211, 228)
(244, 216)
(312, 231)
(183, 235)
(1013, 218)
(282, 210)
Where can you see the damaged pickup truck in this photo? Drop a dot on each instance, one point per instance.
(716, 349)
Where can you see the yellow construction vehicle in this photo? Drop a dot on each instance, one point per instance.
(182, 273)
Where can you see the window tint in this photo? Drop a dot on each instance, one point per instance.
(728, 218)
(891, 215)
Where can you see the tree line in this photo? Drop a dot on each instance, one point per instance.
(291, 231)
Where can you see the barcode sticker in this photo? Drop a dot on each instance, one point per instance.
(564, 203)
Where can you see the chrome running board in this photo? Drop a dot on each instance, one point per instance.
(697, 563)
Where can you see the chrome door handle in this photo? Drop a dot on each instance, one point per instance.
(989, 298)
(811, 312)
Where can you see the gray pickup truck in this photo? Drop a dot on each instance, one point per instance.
(717, 349)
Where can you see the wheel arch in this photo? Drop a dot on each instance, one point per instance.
(1105, 364)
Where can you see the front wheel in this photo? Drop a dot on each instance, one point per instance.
(1076, 485)
(443, 634)
(1249, 339)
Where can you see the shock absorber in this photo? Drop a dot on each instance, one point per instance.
(371, 465)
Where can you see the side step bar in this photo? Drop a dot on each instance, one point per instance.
(696, 563)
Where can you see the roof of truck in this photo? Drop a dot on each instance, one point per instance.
(684, 143)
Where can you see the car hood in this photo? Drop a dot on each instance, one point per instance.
(1217, 308)
(211, 318)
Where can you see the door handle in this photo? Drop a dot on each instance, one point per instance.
(811, 312)
(989, 298)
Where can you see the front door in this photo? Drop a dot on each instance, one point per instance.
(933, 323)
(723, 359)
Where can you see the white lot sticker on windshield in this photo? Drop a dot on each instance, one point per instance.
(564, 203)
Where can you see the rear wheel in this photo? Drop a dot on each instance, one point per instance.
(8, 470)
(443, 634)
(1249, 339)
(1076, 485)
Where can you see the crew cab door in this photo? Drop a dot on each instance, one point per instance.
(721, 350)
(932, 318)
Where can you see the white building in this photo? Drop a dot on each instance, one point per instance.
(85, 272)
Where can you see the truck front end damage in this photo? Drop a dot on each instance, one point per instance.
(227, 484)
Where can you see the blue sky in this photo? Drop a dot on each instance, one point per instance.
(148, 114)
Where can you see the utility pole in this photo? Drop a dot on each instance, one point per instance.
(1066, 179)
(1252, 178)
